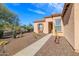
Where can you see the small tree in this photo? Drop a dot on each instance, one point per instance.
(9, 20)
(15, 24)
(29, 28)
(24, 27)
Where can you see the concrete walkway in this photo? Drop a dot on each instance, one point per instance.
(50, 48)
(33, 48)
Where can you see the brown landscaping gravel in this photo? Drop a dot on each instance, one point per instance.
(18, 44)
(52, 49)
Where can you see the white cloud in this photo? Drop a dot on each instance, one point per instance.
(36, 11)
(50, 7)
(57, 6)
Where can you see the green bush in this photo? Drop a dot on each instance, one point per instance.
(29, 28)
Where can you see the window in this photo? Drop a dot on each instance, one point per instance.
(40, 27)
(58, 25)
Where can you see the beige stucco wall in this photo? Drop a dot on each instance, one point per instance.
(36, 27)
(76, 20)
(71, 29)
(46, 23)
(45, 28)
(69, 25)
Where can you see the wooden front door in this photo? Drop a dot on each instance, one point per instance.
(50, 26)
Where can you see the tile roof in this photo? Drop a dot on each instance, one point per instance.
(39, 21)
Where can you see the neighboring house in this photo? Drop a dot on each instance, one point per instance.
(49, 25)
(70, 19)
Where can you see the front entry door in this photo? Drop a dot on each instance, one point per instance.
(50, 26)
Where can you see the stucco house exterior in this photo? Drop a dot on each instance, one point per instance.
(69, 24)
(70, 18)
(48, 25)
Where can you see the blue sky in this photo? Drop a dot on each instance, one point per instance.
(29, 12)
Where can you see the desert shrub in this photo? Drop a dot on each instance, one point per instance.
(1, 33)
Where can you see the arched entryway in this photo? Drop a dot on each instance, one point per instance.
(40, 28)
